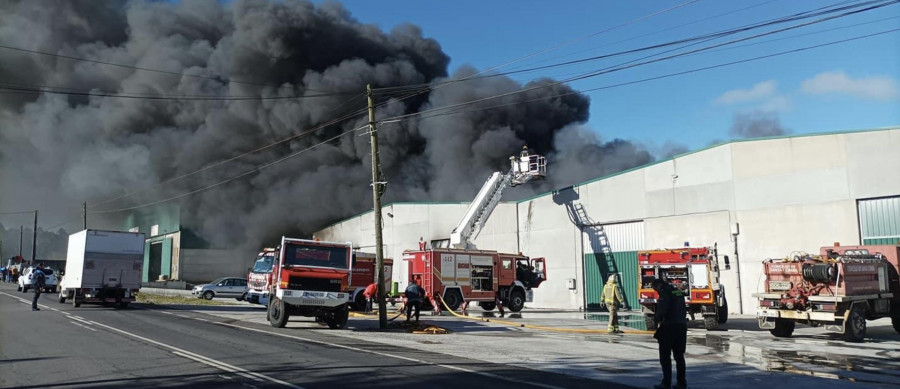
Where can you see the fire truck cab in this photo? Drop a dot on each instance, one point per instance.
(461, 276)
(694, 270)
(306, 278)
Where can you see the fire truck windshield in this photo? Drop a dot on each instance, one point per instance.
(264, 263)
(314, 255)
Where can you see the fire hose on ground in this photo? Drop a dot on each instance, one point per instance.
(537, 327)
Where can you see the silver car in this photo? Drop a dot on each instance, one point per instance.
(223, 287)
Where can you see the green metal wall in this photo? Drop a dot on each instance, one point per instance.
(165, 257)
(879, 220)
(596, 272)
(166, 216)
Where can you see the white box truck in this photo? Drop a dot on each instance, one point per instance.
(103, 267)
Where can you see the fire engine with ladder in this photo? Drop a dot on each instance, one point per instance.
(462, 274)
(364, 275)
(694, 270)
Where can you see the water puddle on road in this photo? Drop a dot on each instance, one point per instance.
(852, 368)
(626, 320)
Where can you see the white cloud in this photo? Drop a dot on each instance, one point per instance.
(759, 91)
(874, 88)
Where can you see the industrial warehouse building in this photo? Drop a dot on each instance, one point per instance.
(754, 199)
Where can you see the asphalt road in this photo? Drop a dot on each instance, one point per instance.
(147, 346)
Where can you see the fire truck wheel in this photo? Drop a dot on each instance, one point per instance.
(516, 300)
(710, 323)
(855, 327)
(277, 313)
(650, 322)
(453, 300)
(722, 311)
(337, 319)
(487, 305)
(895, 316)
(784, 328)
(359, 303)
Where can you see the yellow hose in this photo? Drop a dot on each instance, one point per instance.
(536, 327)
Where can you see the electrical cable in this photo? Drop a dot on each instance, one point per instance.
(395, 119)
(255, 169)
(39, 89)
(621, 67)
(704, 37)
(256, 150)
(220, 79)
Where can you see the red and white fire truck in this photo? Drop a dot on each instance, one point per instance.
(462, 276)
(306, 278)
(363, 275)
(694, 270)
(839, 289)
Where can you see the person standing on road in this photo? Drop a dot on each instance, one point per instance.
(612, 298)
(414, 294)
(38, 282)
(369, 293)
(671, 332)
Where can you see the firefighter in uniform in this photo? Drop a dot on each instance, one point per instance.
(611, 299)
(671, 332)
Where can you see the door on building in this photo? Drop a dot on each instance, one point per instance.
(155, 262)
(879, 220)
(611, 249)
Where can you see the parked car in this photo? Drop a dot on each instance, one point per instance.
(223, 287)
(50, 281)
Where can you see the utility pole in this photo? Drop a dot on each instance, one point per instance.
(377, 186)
(21, 231)
(34, 238)
(84, 213)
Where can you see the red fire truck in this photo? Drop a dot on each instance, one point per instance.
(364, 275)
(466, 275)
(306, 278)
(838, 289)
(694, 270)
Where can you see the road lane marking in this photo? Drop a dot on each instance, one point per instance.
(211, 362)
(82, 326)
(418, 361)
(218, 366)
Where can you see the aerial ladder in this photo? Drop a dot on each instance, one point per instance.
(524, 168)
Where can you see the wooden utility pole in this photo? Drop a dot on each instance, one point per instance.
(84, 213)
(21, 232)
(377, 188)
(34, 238)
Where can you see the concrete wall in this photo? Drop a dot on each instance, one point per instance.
(785, 194)
(204, 265)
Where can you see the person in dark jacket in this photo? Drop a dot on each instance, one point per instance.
(671, 332)
(38, 282)
(414, 295)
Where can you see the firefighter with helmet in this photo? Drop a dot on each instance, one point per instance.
(611, 299)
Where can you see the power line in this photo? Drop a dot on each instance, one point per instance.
(16, 213)
(656, 77)
(256, 150)
(39, 89)
(698, 38)
(255, 169)
(220, 79)
(630, 64)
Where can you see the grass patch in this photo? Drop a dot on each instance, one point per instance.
(156, 299)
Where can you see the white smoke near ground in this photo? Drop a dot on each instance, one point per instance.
(59, 150)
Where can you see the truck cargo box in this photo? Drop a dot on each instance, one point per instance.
(103, 265)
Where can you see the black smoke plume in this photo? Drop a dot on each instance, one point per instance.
(59, 150)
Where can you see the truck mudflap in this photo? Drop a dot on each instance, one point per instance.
(312, 298)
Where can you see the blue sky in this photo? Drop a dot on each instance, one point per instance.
(841, 87)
